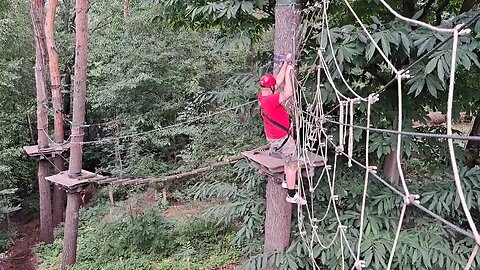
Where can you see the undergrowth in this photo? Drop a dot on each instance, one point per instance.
(113, 239)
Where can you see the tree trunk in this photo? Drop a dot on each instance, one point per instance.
(473, 147)
(390, 168)
(78, 119)
(80, 86)
(46, 229)
(71, 230)
(58, 193)
(278, 219)
(126, 10)
(467, 5)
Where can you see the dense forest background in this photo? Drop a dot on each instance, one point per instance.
(159, 69)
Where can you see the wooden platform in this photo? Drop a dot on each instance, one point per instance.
(273, 166)
(51, 151)
(65, 181)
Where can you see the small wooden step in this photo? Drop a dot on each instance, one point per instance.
(51, 151)
(63, 180)
(274, 166)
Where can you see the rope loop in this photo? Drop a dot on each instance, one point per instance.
(359, 264)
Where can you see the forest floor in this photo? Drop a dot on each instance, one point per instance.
(21, 255)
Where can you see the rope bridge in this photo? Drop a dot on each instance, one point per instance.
(313, 122)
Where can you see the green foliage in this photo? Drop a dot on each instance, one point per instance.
(245, 203)
(16, 97)
(7, 198)
(239, 22)
(144, 241)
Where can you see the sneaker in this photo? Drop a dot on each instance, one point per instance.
(284, 185)
(296, 199)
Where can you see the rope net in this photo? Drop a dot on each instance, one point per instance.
(313, 128)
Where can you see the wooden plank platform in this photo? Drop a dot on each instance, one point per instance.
(273, 166)
(65, 181)
(52, 150)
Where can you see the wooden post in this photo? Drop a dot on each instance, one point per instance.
(78, 117)
(58, 193)
(278, 219)
(46, 228)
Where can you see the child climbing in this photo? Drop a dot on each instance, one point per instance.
(277, 124)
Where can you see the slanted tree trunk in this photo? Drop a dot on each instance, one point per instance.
(58, 193)
(278, 220)
(78, 119)
(46, 228)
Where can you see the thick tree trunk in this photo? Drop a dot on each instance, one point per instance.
(278, 220)
(80, 86)
(70, 237)
(78, 117)
(46, 228)
(55, 81)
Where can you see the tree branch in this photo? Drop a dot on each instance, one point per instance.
(426, 9)
(439, 11)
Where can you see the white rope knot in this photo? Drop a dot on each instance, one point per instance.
(311, 190)
(359, 264)
(335, 197)
(303, 233)
(356, 101)
(373, 98)
(404, 74)
(462, 32)
(342, 227)
(411, 199)
(328, 167)
(339, 149)
(372, 169)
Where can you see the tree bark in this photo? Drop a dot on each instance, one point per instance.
(126, 10)
(46, 228)
(71, 230)
(390, 168)
(55, 81)
(467, 5)
(78, 119)
(278, 219)
(473, 147)
(80, 86)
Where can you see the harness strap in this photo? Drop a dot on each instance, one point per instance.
(275, 123)
(280, 126)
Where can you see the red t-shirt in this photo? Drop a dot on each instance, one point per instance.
(271, 106)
